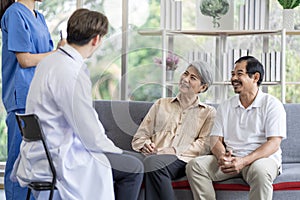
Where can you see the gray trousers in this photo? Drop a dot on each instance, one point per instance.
(160, 170)
(260, 175)
(127, 173)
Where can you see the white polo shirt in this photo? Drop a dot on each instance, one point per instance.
(244, 130)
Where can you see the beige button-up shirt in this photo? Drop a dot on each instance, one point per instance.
(168, 125)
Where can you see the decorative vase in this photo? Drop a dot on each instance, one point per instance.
(288, 19)
(169, 75)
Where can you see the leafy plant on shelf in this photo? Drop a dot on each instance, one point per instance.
(289, 4)
(171, 61)
(214, 9)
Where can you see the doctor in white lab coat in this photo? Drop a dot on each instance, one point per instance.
(88, 164)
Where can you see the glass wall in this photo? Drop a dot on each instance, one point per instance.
(106, 63)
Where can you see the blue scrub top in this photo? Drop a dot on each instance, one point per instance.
(21, 32)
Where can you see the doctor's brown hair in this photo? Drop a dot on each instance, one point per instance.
(84, 24)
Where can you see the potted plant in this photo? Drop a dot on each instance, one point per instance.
(289, 4)
(214, 9)
(171, 64)
(288, 13)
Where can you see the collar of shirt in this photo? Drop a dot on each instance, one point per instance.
(73, 53)
(255, 104)
(197, 103)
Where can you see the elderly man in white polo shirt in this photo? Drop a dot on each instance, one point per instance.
(245, 139)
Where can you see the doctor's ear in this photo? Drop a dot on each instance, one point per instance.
(97, 39)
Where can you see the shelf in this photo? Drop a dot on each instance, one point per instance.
(222, 47)
(292, 83)
(293, 32)
(159, 83)
(229, 83)
(221, 83)
(216, 32)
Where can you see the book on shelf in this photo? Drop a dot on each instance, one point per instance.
(278, 66)
(267, 67)
(272, 66)
(263, 62)
(257, 13)
(178, 19)
(170, 14)
(246, 12)
(230, 64)
(173, 15)
(242, 17)
(194, 55)
(162, 14)
(253, 14)
(231, 57)
(225, 67)
(264, 13)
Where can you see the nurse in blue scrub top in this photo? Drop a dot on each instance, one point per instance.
(25, 41)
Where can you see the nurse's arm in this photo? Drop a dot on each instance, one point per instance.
(30, 60)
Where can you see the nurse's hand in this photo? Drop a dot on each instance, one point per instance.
(61, 43)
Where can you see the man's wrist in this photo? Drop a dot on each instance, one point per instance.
(219, 155)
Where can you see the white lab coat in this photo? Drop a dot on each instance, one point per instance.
(60, 94)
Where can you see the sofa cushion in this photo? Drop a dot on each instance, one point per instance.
(288, 180)
(290, 146)
(121, 119)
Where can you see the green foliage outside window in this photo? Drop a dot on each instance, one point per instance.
(3, 138)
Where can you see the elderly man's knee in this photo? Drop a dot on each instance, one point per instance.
(259, 173)
(190, 167)
(195, 166)
(158, 162)
(138, 165)
(151, 163)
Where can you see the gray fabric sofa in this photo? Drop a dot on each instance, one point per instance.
(122, 118)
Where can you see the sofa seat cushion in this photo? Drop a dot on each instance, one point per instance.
(288, 180)
(290, 177)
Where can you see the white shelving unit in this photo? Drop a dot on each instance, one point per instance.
(222, 36)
